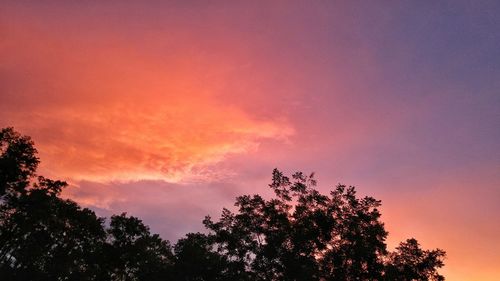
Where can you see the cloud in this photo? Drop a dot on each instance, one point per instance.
(134, 142)
(105, 113)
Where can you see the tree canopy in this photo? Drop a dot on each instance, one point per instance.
(298, 234)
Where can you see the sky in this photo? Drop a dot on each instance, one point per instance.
(168, 110)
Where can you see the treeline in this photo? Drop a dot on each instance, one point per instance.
(300, 234)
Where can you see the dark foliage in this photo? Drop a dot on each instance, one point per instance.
(299, 234)
(18, 161)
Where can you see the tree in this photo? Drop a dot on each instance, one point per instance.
(132, 253)
(44, 237)
(18, 161)
(410, 262)
(301, 234)
(196, 259)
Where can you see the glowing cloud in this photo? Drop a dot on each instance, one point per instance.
(115, 115)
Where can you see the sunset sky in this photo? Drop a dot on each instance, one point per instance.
(167, 110)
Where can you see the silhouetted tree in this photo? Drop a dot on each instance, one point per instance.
(134, 254)
(410, 262)
(299, 234)
(18, 161)
(44, 237)
(196, 259)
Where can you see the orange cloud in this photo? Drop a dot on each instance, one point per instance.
(107, 113)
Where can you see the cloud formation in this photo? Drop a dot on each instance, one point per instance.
(105, 114)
